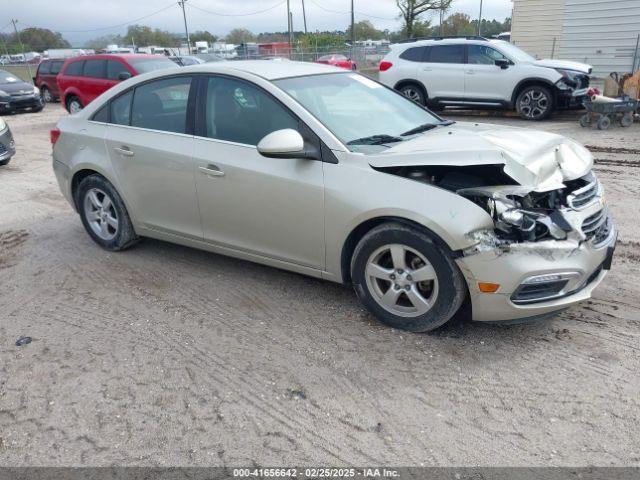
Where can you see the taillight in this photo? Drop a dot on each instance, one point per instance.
(55, 135)
(384, 66)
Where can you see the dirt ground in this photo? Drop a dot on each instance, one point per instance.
(164, 355)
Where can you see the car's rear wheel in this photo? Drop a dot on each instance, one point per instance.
(535, 103)
(103, 214)
(46, 94)
(74, 105)
(405, 279)
(413, 92)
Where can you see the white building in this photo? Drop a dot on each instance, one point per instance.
(602, 33)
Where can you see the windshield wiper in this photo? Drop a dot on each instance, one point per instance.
(375, 140)
(427, 126)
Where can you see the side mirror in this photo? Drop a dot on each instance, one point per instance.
(124, 75)
(503, 63)
(287, 143)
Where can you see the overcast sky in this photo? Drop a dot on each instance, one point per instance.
(75, 17)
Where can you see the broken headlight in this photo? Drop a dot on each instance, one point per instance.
(514, 217)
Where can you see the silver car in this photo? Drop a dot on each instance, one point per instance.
(325, 172)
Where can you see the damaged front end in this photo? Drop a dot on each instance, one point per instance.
(546, 249)
(559, 219)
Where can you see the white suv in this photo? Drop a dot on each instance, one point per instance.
(474, 71)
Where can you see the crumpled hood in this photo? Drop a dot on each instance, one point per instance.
(538, 160)
(565, 65)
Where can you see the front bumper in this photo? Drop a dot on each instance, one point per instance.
(22, 102)
(586, 260)
(7, 145)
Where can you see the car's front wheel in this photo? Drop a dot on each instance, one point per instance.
(405, 279)
(4, 162)
(103, 214)
(535, 103)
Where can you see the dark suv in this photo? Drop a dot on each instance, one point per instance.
(45, 79)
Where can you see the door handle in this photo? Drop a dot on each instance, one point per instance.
(470, 72)
(124, 151)
(211, 170)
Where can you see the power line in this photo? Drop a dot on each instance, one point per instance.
(191, 5)
(171, 5)
(349, 12)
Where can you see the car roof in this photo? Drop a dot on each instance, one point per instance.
(268, 69)
(442, 41)
(123, 56)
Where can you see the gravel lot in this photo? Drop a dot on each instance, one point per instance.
(164, 355)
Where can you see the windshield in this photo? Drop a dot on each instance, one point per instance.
(144, 65)
(513, 52)
(363, 114)
(6, 77)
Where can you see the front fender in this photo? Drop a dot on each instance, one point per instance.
(355, 193)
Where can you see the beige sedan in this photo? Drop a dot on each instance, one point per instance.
(327, 173)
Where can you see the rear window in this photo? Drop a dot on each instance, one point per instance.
(55, 67)
(144, 65)
(415, 54)
(74, 68)
(447, 54)
(44, 68)
(95, 68)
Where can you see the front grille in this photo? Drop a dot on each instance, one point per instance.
(538, 291)
(592, 224)
(583, 196)
(601, 234)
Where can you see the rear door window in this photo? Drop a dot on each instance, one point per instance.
(55, 67)
(44, 68)
(95, 68)
(114, 69)
(446, 54)
(75, 68)
(162, 105)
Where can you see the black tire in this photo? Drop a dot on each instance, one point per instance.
(125, 236)
(73, 99)
(451, 290)
(414, 92)
(37, 109)
(604, 122)
(627, 120)
(535, 103)
(4, 162)
(585, 120)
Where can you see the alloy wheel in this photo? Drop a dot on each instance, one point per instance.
(101, 214)
(401, 280)
(412, 94)
(46, 95)
(534, 104)
(74, 106)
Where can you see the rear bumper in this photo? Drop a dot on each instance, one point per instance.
(587, 262)
(63, 176)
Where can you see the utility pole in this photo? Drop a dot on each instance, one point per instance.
(22, 48)
(353, 30)
(289, 27)
(186, 30)
(304, 17)
(441, 15)
(480, 20)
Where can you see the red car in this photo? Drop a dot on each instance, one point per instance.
(45, 79)
(84, 78)
(338, 60)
